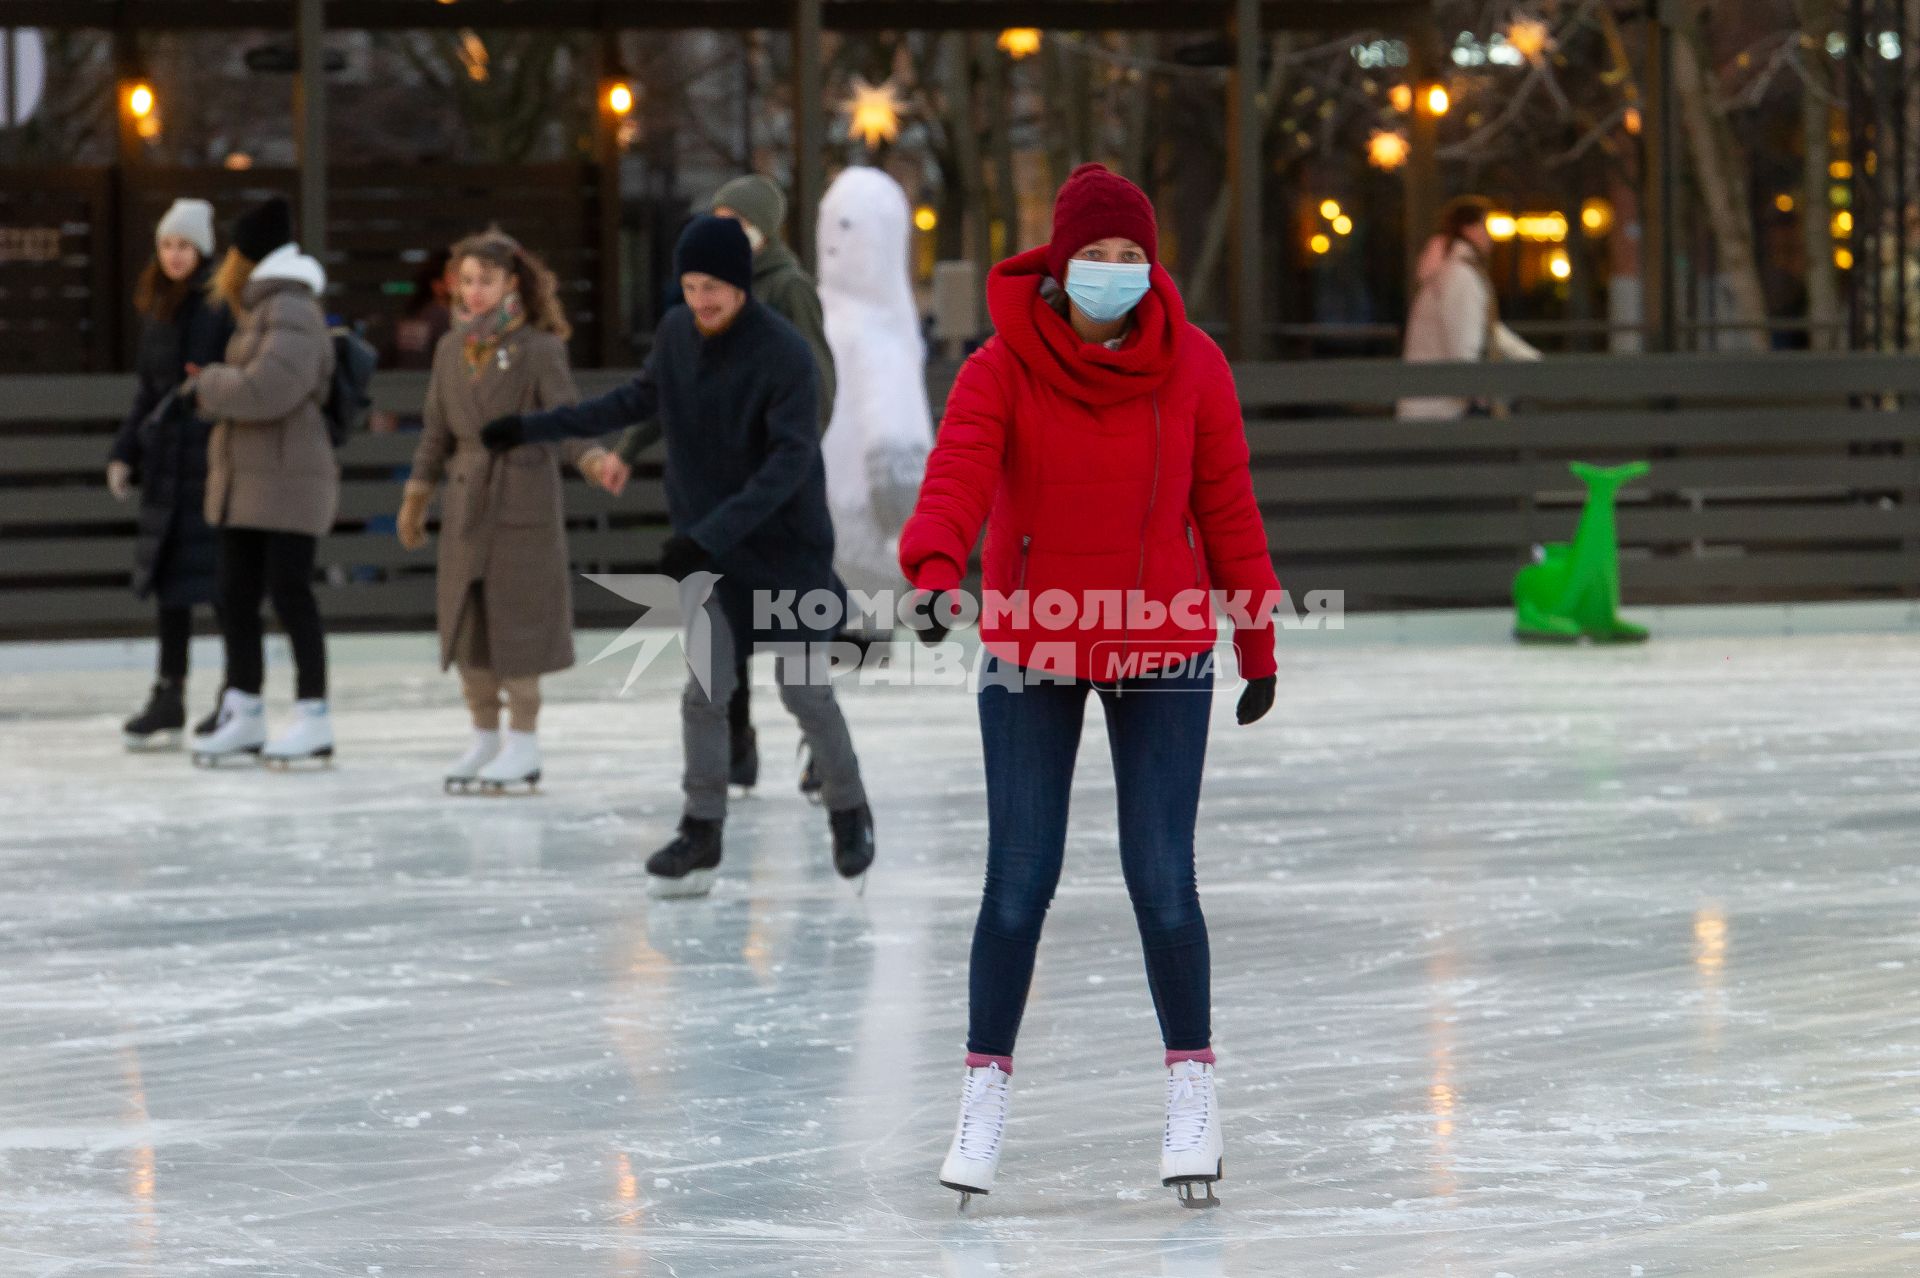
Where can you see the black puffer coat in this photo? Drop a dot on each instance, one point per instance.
(176, 557)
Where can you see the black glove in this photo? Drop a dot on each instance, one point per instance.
(681, 557)
(503, 433)
(930, 611)
(1256, 699)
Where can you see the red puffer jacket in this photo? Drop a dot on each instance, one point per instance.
(1116, 472)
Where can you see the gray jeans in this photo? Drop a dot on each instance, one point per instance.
(703, 717)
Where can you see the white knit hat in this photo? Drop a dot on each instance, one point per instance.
(192, 221)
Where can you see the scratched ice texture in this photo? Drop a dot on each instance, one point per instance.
(1566, 962)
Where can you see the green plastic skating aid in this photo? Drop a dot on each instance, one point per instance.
(1573, 593)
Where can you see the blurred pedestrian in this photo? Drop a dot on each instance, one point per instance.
(1456, 311)
(164, 454)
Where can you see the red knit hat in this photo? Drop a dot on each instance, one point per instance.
(1096, 203)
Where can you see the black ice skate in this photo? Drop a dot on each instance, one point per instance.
(743, 769)
(158, 727)
(684, 868)
(853, 843)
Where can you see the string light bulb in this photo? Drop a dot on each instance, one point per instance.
(1020, 42)
(1387, 150)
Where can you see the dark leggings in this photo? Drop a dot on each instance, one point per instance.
(176, 636)
(256, 565)
(1157, 735)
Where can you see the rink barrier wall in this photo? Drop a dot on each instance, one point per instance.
(1782, 477)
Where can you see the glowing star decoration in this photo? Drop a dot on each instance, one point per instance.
(1529, 37)
(873, 112)
(1020, 42)
(1386, 150)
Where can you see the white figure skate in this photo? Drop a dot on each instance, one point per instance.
(1191, 1151)
(517, 764)
(308, 739)
(239, 731)
(974, 1155)
(466, 769)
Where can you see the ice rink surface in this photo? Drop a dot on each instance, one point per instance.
(1526, 962)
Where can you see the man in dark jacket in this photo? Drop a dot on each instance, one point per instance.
(733, 385)
(782, 284)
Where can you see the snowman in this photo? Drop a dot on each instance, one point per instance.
(877, 441)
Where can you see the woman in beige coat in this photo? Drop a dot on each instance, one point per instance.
(272, 483)
(1456, 315)
(504, 600)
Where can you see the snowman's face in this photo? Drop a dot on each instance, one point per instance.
(863, 238)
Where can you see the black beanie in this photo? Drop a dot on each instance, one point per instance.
(716, 246)
(263, 228)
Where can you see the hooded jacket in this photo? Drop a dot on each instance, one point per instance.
(1097, 472)
(270, 462)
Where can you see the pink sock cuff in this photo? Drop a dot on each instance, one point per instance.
(977, 1061)
(1204, 1056)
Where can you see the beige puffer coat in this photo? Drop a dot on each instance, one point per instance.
(270, 462)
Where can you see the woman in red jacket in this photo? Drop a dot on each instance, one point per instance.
(1098, 436)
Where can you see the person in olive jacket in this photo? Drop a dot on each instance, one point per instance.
(503, 596)
(273, 485)
(176, 555)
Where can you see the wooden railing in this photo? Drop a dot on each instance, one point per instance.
(1776, 477)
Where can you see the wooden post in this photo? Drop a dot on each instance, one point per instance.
(1656, 201)
(1246, 174)
(809, 128)
(114, 243)
(310, 126)
(1422, 192)
(609, 306)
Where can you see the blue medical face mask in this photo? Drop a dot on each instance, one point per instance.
(1105, 291)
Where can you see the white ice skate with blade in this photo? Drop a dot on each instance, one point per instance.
(239, 730)
(1191, 1151)
(308, 738)
(974, 1155)
(466, 769)
(518, 763)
